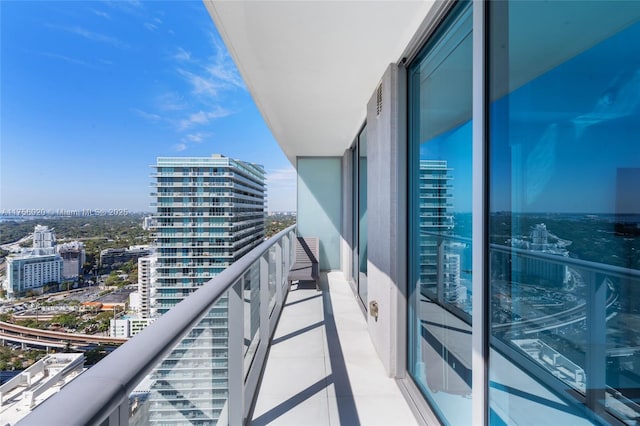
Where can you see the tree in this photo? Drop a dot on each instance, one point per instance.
(67, 320)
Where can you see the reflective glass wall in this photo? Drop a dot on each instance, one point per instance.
(359, 214)
(362, 215)
(440, 148)
(564, 220)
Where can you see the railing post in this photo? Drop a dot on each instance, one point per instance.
(235, 375)
(595, 365)
(440, 271)
(119, 416)
(279, 271)
(265, 330)
(286, 258)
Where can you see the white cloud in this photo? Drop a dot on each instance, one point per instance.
(66, 59)
(222, 67)
(201, 85)
(147, 115)
(102, 14)
(90, 35)
(209, 78)
(180, 147)
(281, 189)
(171, 101)
(202, 117)
(133, 7)
(182, 55)
(197, 137)
(282, 178)
(150, 26)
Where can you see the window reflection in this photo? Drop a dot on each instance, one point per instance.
(362, 215)
(565, 215)
(440, 205)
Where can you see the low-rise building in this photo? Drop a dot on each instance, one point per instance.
(127, 327)
(111, 259)
(20, 395)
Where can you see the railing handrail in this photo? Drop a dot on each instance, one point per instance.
(96, 393)
(618, 271)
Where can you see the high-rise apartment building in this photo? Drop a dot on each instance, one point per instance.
(146, 279)
(210, 212)
(43, 237)
(73, 255)
(434, 217)
(34, 268)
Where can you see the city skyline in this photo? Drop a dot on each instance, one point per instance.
(125, 83)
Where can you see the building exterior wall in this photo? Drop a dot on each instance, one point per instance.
(43, 237)
(112, 259)
(385, 178)
(320, 206)
(146, 282)
(73, 257)
(33, 272)
(210, 212)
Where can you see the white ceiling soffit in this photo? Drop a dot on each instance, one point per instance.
(311, 66)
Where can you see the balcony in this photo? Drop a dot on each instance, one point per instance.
(318, 363)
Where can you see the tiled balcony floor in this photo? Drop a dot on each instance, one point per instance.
(322, 368)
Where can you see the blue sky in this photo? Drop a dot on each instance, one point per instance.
(92, 92)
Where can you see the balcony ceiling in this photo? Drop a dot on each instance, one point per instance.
(311, 66)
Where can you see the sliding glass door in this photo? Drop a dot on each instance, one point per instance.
(440, 218)
(359, 214)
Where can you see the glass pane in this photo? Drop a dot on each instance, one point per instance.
(362, 215)
(251, 297)
(271, 261)
(565, 212)
(440, 205)
(354, 214)
(190, 385)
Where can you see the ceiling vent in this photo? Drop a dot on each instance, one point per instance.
(379, 100)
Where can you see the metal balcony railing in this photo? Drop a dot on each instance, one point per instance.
(155, 361)
(565, 321)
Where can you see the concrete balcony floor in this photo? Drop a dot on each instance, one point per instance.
(322, 368)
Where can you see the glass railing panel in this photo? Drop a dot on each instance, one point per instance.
(199, 363)
(271, 258)
(251, 301)
(186, 386)
(570, 323)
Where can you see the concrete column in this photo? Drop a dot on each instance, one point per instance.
(386, 186)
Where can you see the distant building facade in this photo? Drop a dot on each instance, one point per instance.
(23, 393)
(36, 267)
(146, 282)
(73, 257)
(127, 327)
(32, 271)
(114, 258)
(210, 212)
(149, 223)
(530, 268)
(43, 237)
